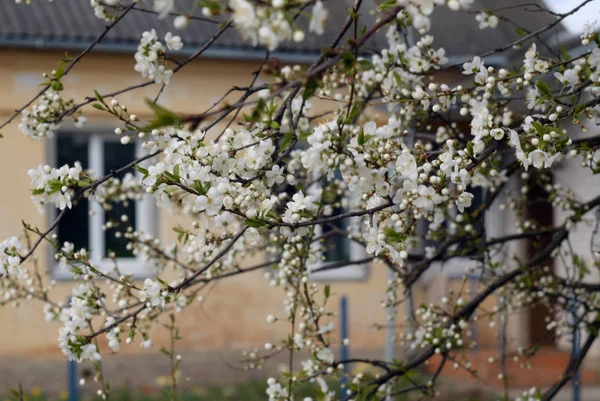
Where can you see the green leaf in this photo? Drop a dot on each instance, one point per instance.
(310, 88)
(201, 189)
(348, 59)
(394, 236)
(214, 6)
(564, 55)
(543, 88)
(286, 142)
(366, 64)
(59, 73)
(361, 136)
(541, 129)
(581, 266)
(56, 85)
(577, 111)
(255, 223)
(388, 4)
(140, 169)
(327, 291)
(98, 106)
(163, 117)
(182, 234)
(98, 96)
(165, 351)
(353, 114)
(520, 31)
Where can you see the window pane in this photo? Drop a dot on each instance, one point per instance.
(117, 155)
(74, 226)
(336, 246)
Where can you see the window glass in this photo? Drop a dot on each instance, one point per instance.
(74, 226)
(115, 156)
(336, 246)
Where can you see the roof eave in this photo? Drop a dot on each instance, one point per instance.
(228, 53)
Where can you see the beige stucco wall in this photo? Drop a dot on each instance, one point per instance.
(233, 315)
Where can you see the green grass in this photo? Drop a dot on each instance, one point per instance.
(251, 391)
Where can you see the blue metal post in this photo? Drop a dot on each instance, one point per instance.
(474, 336)
(72, 381)
(575, 354)
(72, 384)
(344, 351)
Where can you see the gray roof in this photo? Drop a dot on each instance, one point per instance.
(71, 25)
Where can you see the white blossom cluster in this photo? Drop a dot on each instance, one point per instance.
(9, 257)
(406, 184)
(102, 9)
(487, 20)
(533, 394)
(152, 294)
(42, 120)
(150, 56)
(270, 24)
(420, 11)
(437, 330)
(76, 319)
(54, 186)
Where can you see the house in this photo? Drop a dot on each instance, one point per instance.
(33, 40)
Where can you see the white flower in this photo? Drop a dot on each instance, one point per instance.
(375, 241)
(464, 201)
(474, 66)
(326, 328)
(252, 236)
(275, 175)
(486, 20)
(181, 22)
(326, 355)
(163, 7)
(173, 42)
(54, 185)
(589, 27)
(89, 352)
(427, 199)
(41, 121)
(9, 257)
(570, 77)
(318, 18)
(150, 59)
(151, 293)
(406, 165)
(515, 142)
(497, 133)
(212, 202)
(276, 391)
(537, 158)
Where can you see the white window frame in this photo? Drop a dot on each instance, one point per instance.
(146, 213)
(458, 266)
(355, 272)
